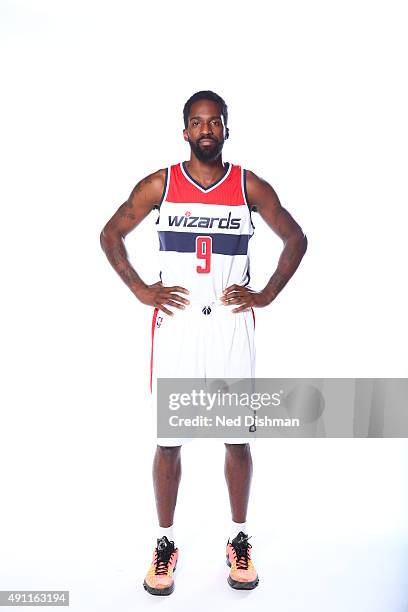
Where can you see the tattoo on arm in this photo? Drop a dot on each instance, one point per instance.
(129, 275)
(289, 261)
(289, 256)
(123, 211)
(278, 281)
(138, 189)
(112, 240)
(117, 256)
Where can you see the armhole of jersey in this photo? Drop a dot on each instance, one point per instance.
(245, 194)
(165, 188)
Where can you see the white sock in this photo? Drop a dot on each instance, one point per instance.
(236, 528)
(166, 531)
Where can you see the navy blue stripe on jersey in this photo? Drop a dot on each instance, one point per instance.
(223, 244)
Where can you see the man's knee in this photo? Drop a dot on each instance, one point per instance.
(238, 449)
(169, 450)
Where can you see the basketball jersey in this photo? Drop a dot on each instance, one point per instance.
(204, 233)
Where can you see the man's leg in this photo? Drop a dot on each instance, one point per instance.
(166, 480)
(232, 350)
(173, 353)
(238, 474)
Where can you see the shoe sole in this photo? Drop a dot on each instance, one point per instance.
(241, 586)
(165, 591)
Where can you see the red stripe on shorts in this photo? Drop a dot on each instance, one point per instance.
(253, 314)
(156, 310)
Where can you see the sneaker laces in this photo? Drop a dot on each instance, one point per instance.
(241, 548)
(163, 554)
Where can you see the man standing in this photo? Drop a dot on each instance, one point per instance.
(206, 323)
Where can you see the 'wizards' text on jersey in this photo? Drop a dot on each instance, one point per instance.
(204, 232)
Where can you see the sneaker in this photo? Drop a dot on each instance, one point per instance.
(159, 578)
(243, 574)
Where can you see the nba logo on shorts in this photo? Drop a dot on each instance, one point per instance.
(159, 321)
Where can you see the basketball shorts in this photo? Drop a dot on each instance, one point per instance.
(201, 342)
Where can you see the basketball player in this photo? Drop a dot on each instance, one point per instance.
(203, 319)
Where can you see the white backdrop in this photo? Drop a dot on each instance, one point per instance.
(92, 99)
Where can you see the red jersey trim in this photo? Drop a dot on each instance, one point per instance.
(228, 191)
(207, 189)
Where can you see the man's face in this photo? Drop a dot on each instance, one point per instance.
(205, 130)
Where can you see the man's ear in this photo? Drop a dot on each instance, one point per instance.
(185, 135)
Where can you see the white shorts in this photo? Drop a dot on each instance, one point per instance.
(193, 344)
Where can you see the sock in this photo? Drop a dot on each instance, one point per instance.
(236, 528)
(166, 531)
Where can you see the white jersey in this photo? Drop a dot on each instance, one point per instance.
(204, 233)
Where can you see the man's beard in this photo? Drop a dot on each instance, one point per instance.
(208, 152)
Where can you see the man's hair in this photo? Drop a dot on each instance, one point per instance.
(205, 95)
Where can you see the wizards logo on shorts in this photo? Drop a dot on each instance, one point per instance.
(159, 321)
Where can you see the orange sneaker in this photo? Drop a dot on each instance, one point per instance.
(159, 578)
(243, 574)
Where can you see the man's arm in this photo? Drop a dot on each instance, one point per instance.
(262, 196)
(145, 196)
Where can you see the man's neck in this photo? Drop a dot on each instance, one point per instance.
(206, 173)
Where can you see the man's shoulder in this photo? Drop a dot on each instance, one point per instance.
(153, 185)
(252, 184)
